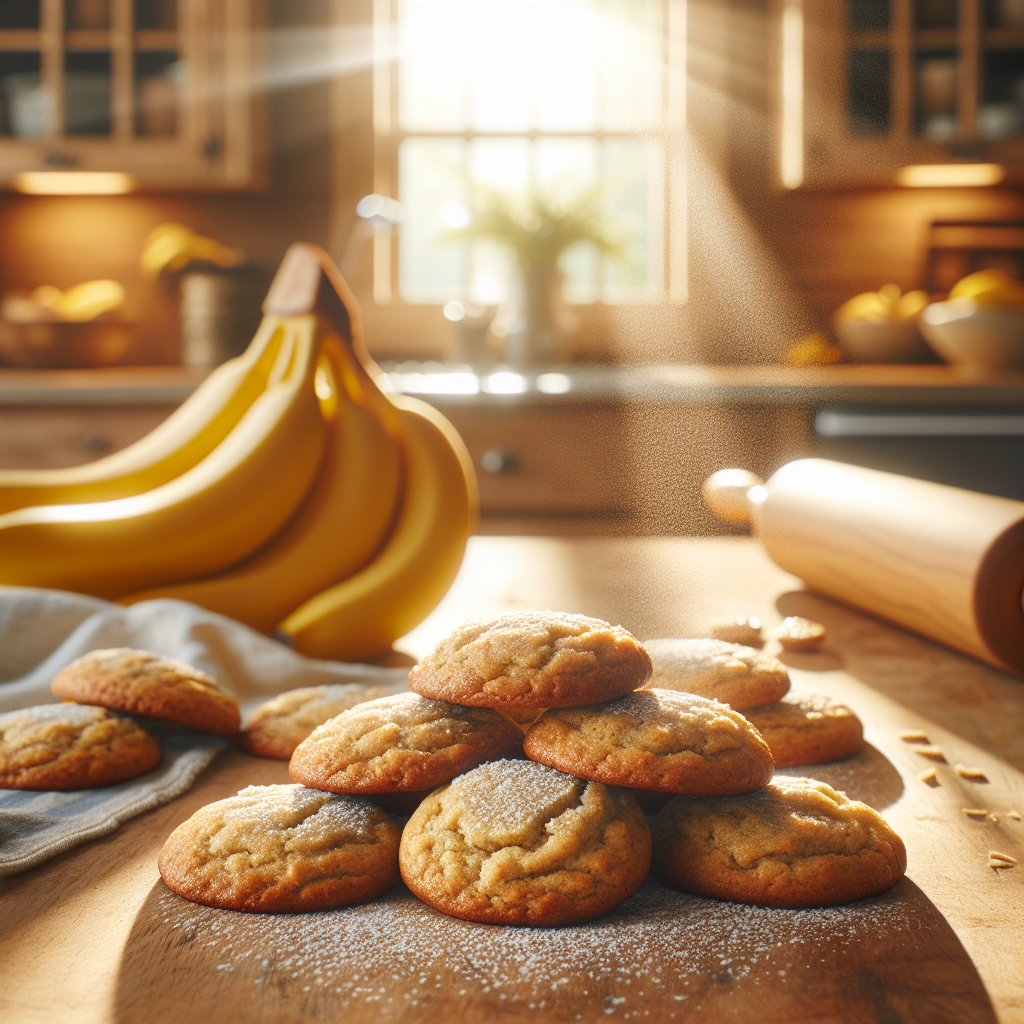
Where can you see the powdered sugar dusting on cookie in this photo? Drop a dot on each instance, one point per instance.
(79, 715)
(510, 797)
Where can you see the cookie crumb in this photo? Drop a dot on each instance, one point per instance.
(994, 818)
(1001, 860)
(1014, 815)
(740, 630)
(976, 812)
(933, 753)
(977, 774)
(914, 736)
(928, 776)
(798, 634)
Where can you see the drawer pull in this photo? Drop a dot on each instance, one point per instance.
(497, 460)
(94, 443)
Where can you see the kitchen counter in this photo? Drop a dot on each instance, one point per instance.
(94, 935)
(445, 385)
(608, 449)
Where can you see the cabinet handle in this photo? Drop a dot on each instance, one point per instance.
(497, 460)
(96, 444)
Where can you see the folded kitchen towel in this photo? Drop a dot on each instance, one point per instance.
(41, 631)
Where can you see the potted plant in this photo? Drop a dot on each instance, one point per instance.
(537, 229)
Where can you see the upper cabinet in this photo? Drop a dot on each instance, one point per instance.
(162, 90)
(869, 87)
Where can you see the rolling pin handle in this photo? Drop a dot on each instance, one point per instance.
(726, 494)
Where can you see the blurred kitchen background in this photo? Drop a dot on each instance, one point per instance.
(615, 241)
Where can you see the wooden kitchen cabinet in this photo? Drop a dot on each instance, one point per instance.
(625, 451)
(892, 83)
(629, 466)
(164, 90)
(48, 438)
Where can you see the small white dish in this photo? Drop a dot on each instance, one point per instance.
(871, 341)
(965, 334)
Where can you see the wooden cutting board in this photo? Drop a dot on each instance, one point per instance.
(663, 955)
(95, 935)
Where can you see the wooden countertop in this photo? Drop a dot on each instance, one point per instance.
(893, 386)
(93, 935)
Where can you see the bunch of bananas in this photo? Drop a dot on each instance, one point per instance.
(289, 492)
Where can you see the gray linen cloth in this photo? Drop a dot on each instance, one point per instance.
(41, 631)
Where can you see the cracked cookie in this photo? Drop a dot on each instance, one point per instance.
(735, 675)
(532, 660)
(279, 726)
(795, 843)
(71, 746)
(654, 740)
(140, 683)
(513, 842)
(279, 849)
(401, 744)
(805, 728)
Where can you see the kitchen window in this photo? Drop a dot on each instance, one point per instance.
(557, 98)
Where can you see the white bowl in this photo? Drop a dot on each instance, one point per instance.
(866, 341)
(965, 334)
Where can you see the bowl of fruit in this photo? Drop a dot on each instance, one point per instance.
(981, 324)
(881, 327)
(79, 327)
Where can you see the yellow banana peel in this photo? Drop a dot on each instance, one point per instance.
(212, 516)
(367, 612)
(338, 529)
(183, 440)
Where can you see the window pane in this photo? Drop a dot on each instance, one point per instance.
(158, 78)
(936, 95)
(433, 40)
(867, 15)
(87, 93)
(524, 65)
(868, 83)
(631, 65)
(432, 186)
(631, 172)
(622, 176)
(26, 105)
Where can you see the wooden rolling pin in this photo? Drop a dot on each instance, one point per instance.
(942, 561)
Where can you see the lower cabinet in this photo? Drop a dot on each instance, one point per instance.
(616, 467)
(628, 467)
(50, 437)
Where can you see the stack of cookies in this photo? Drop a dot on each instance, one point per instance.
(552, 837)
(799, 728)
(83, 743)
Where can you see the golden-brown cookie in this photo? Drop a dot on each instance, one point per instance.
(797, 634)
(141, 683)
(805, 728)
(532, 660)
(71, 746)
(401, 744)
(735, 675)
(740, 630)
(513, 842)
(654, 739)
(279, 726)
(795, 843)
(277, 849)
